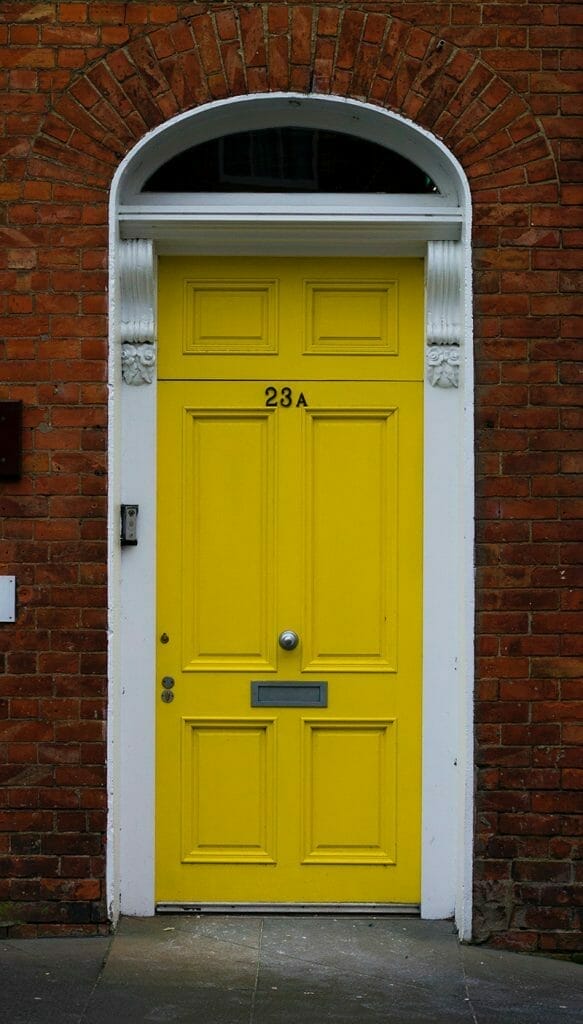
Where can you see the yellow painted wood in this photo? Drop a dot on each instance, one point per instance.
(226, 816)
(364, 751)
(351, 533)
(229, 477)
(303, 516)
(274, 318)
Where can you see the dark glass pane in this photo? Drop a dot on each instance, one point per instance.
(289, 160)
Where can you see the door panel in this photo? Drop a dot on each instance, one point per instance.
(278, 513)
(223, 317)
(228, 816)
(343, 761)
(322, 319)
(346, 317)
(228, 539)
(350, 494)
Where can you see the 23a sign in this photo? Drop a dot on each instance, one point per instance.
(284, 397)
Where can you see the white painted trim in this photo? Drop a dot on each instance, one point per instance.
(137, 288)
(224, 117)
(466, 592)
(449, 495)
(251, 233)
(112, 860)
(443, 313)
(270, 240)
(313, 204)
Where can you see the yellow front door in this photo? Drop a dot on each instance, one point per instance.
(289, 580)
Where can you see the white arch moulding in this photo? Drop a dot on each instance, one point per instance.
(437, 226)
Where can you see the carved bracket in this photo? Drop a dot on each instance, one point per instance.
(444, 326)
(138, 303)
(138, 363)
(443, 366)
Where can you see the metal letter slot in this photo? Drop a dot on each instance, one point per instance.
(289, 695)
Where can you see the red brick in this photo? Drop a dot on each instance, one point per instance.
(507, 711)
(253, 38)
(503, 801)
(301, 34)
(162, 43)
(226, 25)
(328, 19)
(207, 44)
(572, 778)
(566, 711)
(375, 28)
(529, 824)
(503, 622)
(350, 33)
(531, 735)
(162, 13)
(567, 803)
(278, 72)
(278, 19)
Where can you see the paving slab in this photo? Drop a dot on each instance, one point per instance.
(382, 969)
(45, 980)
(511, 988)
(179, 969)
(282, 969)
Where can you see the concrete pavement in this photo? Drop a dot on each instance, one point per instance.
(281, 970)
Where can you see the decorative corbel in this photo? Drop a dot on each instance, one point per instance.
(137, 302)
(444, 324)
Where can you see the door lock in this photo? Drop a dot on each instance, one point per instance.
(167, 696)
(288, 640)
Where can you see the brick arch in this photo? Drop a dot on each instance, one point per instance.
(329, 50)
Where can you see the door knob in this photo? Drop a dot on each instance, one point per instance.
(288, 640)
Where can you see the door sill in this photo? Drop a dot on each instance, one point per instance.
(288, 908)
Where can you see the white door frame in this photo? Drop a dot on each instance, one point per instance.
(437, 227)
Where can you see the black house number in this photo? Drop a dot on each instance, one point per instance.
(283, 397)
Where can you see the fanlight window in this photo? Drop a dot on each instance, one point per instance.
(289, 159)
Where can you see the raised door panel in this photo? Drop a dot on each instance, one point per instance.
(351, 539)
(349, 792)
(228, 540)
(228, 791)
(351, 318)
(223, 317)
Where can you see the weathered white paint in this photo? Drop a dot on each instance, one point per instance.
(448, 532)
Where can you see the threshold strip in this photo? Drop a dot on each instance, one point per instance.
(288, 908)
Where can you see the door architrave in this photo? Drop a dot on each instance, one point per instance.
(439, 230)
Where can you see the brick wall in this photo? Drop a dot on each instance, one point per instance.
(500, 83)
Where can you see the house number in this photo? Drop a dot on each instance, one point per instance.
(284, 397)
